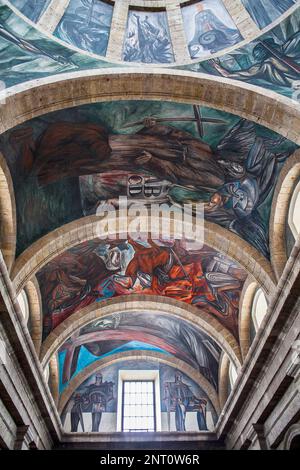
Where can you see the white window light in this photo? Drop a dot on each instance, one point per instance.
(294, 212)
(24, 305)
(232, 374)
(135, 387)
(259, 308)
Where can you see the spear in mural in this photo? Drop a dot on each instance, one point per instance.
(285, 60)
(28, 46)
(197, 119)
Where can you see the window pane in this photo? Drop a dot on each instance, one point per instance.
(138, 406)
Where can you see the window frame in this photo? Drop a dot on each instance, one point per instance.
(139, 376)
(123, 402)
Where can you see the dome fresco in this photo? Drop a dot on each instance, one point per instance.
(271, 62)
(207, 24)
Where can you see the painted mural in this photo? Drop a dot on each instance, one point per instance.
(272, 61)
(208, 28)
(86, 24)
(93, 406)
(146, 331)
(95, 271)
(192, 155)
(27, 54)
(264, 12)
(148, 38)
(33, 9)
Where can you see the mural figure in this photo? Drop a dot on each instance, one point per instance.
(180, 395)
(180, 398)
(265, 12)
(76, 413)
(213, 28)
(233, 180)
(96, 397)
(275, 63)
(86, 24)
(148, 38)
(94, 272)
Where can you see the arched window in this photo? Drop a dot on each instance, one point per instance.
(232, 375)
(259, 308)
(294, 212)
(24, 305)
(47, 373)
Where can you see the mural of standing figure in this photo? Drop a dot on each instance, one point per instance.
(97, 395)
(76, 414)
(148, 39)
(180, 398)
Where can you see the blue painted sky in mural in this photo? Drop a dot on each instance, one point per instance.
(264, 12)
(86, 24)
(208, 28)
(33, 9)
(148, 38)
(86, 358)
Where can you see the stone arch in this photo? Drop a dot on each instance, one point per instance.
(138, 356)
(45, 95)
(292, 433)
(7, 215)
(279, 212)
(35, 312)
(87, 228)
(246, 301)
(224, 379)
(137, 303)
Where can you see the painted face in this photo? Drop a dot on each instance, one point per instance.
(216, 199)
(99, 379)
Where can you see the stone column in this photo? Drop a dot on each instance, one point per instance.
(241, 17)
(177, 33)
(117, 30)
(24, 439)
(52, 16)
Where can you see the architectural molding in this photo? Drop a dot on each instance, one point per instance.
(38, 97)
(8, 227)
(285, 186)
(135, 303)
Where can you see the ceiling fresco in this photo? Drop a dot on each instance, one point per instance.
(147, 38)
(96, 270)
(27, 54)
(65, 163)
(264, 12)
(208, 28)
(176, 388)
(86, 24)
(33, 9)
(145, 331)
(272, 61)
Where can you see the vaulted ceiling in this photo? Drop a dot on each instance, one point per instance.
(84, 123)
